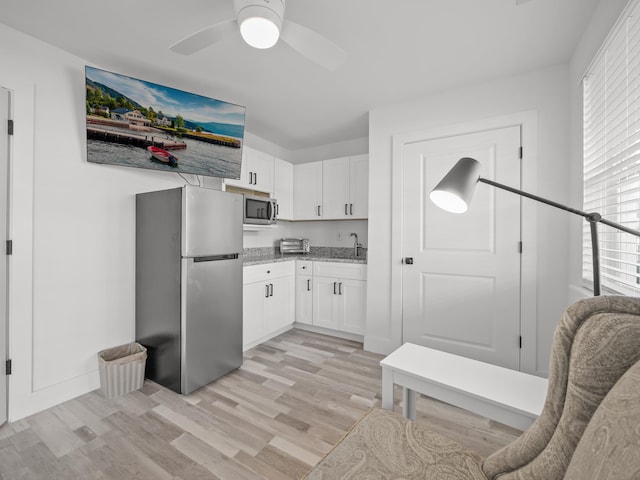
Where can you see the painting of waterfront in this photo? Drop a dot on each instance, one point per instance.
(141, 124)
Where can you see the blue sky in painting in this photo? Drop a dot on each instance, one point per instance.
(169, 100)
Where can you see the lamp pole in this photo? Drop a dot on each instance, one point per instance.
(592, 218)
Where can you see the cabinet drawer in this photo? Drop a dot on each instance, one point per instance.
(352, 271)
(259, 273)
(304, 267)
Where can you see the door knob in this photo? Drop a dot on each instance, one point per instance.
(408, 260)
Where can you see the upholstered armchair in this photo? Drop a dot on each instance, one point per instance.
(589, 428)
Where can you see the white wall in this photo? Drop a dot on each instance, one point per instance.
(325, 233)
(546, 93)
(73, 227)
(603, 19)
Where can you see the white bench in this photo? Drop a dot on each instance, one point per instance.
(508, 396)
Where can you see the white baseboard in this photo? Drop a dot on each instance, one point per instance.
(381, 345)
(53, 395)
(327, 331)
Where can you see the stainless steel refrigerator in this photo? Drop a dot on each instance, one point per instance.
(189, 285)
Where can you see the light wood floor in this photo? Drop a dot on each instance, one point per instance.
(274, 418)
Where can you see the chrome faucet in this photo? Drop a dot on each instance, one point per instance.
(356, 245)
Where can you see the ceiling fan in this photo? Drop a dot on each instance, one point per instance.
(261, 23)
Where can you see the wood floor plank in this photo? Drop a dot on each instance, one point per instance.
(219, 465)
(58, 438)
(274, 418)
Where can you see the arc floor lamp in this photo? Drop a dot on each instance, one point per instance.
(455, 190)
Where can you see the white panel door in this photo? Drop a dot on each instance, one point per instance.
(4, 185)
(462, 292)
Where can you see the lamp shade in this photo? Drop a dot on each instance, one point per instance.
(455, 190)
(260, 24)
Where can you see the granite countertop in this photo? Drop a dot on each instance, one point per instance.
(257, 256)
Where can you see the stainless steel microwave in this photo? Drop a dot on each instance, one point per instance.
(260, 210)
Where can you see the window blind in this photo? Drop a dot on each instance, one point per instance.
(611, 95)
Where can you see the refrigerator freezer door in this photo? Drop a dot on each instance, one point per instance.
(212, 319)
(212, 222)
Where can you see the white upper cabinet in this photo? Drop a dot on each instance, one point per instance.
(283, 188)
(335, 188)
(345, 184)
(359, 186)
(257, 171)
(307, 191)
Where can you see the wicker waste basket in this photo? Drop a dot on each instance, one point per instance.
(121, 369)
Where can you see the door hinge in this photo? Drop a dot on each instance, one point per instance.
(7, 367)
(521, 153)
(9, 247)
(520, 246)
(10, 127)
(520, 341)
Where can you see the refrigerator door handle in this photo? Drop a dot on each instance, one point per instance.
(216, 258)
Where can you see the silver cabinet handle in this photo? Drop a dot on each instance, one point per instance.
(318, 210)
(250, 178)
(351, 209)
(334, 287)
(340, 288)
(308, 285)
(255, 178)
(271, 289)
(267, 291)
(346, 211)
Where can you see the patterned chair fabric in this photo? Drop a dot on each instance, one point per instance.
(610, 446)
(596, 342)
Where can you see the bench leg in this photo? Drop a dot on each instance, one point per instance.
(387, 389)
(408, 403)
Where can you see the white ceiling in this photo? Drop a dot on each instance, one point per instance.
(397, 50)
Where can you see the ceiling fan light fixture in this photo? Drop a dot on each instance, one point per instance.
(260, 22)
(259, 32)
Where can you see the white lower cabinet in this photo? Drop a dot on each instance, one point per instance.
(339, 296)
(304, 292)
(268, 301)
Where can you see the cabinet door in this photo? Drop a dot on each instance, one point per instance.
(307, 191)
(359, 186)
(279, 306)
(253, 325)
(304, 299)
(283, 188)
(326, 302)
(261, 166)
(243, 182)
(335, 188)
(353, 302)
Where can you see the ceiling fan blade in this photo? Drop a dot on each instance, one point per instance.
(312, 45)
(206, 37)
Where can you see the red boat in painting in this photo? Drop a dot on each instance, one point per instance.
(163, 156)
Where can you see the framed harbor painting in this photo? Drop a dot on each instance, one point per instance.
(136, 123)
